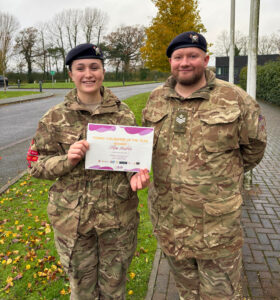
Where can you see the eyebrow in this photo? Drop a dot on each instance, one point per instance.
(91, 64)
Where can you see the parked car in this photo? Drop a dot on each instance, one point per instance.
(2, 81)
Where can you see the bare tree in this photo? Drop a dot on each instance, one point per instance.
(57, 35)
(41, 59)
(124, 44)
(276, 38)
(269, 44)
(93, 22)
(26, 46)
(264, 45)
(222, 43)
(72, 20)
(242, 42)
(54, 55)
(8, 27)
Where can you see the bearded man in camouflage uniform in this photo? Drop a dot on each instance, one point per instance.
(207, 133)
(93, 213)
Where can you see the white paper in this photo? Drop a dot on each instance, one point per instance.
(119, 147)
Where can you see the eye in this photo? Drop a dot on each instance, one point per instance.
(79, 68)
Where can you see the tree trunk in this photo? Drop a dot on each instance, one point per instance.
(29, 72)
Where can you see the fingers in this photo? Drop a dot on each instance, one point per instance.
(144, 174)
(77, 151)
(140, 180)
(133, 183)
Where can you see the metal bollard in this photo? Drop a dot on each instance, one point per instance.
(40, 86)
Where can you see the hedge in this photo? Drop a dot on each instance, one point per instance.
(268, 81)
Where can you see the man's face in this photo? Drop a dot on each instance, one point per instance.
(188, 65)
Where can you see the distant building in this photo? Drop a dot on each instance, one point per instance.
(222, 65)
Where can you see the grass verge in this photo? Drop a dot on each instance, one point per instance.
(30, 267)
(70, 85)
(12, 94)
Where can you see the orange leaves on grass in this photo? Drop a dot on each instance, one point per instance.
(10, 282)
(64, 292)
(132, 275)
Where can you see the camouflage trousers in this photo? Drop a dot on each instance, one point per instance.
(98, 264)
(218, 279)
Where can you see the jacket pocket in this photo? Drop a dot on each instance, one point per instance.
(66, 138)
(121, 186)
(222, 221)
(63, 208)
(155, 120)
(124, 202)
(220, 129)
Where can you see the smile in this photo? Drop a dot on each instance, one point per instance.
(88, 82)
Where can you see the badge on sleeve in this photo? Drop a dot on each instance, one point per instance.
(180, 121)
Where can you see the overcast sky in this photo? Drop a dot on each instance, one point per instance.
(215, 14)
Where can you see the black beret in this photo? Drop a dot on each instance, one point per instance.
(186, 40)
(83, 51)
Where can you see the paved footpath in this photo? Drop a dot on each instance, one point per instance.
(261, 223)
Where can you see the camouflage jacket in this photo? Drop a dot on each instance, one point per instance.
(88, 198)
(202, 145)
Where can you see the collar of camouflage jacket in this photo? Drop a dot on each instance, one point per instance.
(203, 93)
(109, 103)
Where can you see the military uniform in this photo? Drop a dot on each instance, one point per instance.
(93, 213)
(202, 145)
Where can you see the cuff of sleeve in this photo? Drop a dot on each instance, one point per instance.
(129, 175)
(67, 166)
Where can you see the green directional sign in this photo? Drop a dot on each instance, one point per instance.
(52, 72)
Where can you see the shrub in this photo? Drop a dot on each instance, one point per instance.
(268, 81)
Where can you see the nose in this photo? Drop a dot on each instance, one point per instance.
(185, 61)
(87, 72)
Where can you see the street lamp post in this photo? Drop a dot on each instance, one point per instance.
(252, 67)
(232, 42)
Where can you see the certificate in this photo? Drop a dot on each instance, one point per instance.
(119, 148)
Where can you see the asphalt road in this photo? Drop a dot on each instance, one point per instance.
(18, 123)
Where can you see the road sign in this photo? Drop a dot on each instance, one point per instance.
(52, 72)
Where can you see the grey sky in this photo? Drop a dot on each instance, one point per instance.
(215, 14)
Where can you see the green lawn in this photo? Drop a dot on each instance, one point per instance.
(12, 94)
(30, 267)
(70, 85)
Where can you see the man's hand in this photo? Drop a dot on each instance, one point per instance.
(140, 180)
(77, 151)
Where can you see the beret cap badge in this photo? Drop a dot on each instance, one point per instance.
(194, 38)
(97, 51)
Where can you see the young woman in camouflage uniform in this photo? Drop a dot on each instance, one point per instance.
(93, 213)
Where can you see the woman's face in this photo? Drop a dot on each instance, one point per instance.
(88, 75)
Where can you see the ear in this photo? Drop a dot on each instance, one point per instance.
(206, 60)
(70, 74)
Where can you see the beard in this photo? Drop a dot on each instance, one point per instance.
(191, 80)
